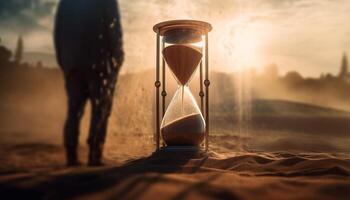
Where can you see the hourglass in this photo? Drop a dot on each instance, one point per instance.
(182, 45)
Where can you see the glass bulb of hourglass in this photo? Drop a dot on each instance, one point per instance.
(183, 61)
(183, 123)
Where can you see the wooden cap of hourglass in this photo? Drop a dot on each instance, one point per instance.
(182, 60)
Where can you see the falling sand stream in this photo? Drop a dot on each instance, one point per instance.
(243, 103)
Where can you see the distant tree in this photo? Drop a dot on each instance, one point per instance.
(25, 64)
(344, 70)
(271, 71)
(322, 76)
(39, 64)
(19, 51)
(329, 76)
(293, 77)
(5, 55)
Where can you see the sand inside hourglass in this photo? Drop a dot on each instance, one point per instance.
(182, 60)
(190, 127)
(188, 130)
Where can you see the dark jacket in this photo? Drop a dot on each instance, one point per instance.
(87, 32)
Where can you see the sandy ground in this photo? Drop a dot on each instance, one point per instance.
(36, 171)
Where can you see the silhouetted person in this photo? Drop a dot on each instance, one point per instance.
(88, 42)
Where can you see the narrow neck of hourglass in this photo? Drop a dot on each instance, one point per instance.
(181, 82)
(182, 86)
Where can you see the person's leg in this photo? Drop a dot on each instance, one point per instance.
(77, 96)
(101, 90)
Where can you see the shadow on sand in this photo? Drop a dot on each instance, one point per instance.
(177, 176)
(129, 181)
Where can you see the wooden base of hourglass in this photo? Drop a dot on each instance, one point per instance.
(188, 130)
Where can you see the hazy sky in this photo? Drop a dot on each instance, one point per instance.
(309, 36)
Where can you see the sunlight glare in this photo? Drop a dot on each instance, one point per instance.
(243, 44)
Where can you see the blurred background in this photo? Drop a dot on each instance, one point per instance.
(279, 72)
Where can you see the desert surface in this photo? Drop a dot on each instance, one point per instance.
(287, 149)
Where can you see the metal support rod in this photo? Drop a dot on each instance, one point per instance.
(201, 93)
(163, 82)
(157, 85)
(206, 83)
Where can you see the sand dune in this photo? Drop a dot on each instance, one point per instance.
(35, 171)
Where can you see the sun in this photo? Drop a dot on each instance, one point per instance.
(243, 44)
(246, 44)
